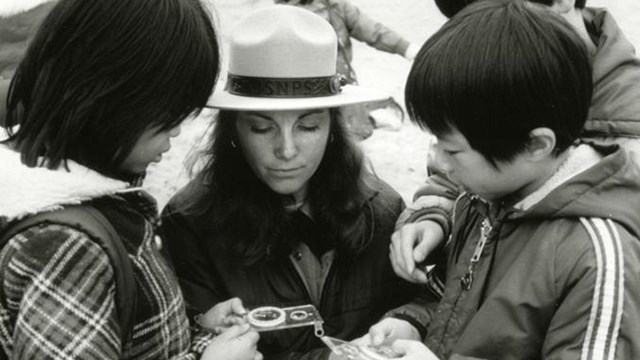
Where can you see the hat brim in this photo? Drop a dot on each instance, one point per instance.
(348, 96)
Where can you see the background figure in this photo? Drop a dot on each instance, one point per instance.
(349, 22)
(283, 212)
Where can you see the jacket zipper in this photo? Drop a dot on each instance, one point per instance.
(317, 326)
(301, 280)
(466, 280)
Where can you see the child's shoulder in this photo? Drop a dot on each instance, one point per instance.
(41, 246)
(588, 245)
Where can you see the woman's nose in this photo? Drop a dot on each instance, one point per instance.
(287, 149)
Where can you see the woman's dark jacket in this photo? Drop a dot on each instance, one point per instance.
(358, 290)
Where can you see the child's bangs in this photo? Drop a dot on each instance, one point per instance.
(447, 84)
(191, 67)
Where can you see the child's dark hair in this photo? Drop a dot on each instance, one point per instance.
(496, 71)
(449, 8)
(100, 73)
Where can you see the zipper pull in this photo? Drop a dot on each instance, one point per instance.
(318, 330)
(466, 280)
(485, 229)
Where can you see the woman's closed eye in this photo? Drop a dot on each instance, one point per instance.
(261, 129)
(308, 128)
(310, 123)
(261, 126)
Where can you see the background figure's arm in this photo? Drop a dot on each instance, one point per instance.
(363, 28)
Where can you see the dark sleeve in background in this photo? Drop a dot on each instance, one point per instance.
(190, 261)
(4, 88)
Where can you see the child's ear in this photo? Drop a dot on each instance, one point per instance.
(541, 143)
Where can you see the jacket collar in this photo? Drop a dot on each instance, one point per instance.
(581, 158)
(595, 181)
(609, 189)
(25, 190)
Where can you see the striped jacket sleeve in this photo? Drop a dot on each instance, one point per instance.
(598, 314)
(57, 297)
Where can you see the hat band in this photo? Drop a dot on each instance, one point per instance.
(284, 87)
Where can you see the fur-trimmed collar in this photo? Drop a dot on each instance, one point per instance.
(581, 158)
(25, 190)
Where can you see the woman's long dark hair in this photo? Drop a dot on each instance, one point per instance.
(246, 217)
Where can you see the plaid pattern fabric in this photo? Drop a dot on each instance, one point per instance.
(57, 298)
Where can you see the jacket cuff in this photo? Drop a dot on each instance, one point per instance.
(200, 342)
(414, 313)
(422, 330)
(411, 51)
(424, 205)
(439, 216)
(402, 47)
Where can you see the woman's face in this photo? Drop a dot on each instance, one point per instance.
(284, 148)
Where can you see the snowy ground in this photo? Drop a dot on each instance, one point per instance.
(397, 156)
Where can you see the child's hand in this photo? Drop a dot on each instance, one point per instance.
(410, 245)
(413, 350)
(239, 342)
(223, 315)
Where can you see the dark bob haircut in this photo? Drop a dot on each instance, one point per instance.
(247, 216)
(496, 71)
(100, 73)
(449, 8)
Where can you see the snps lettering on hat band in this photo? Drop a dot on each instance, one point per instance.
(284, 87)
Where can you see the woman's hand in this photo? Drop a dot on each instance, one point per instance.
(223, 315)
(238, 342)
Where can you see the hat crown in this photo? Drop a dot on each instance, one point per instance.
(283, 41)
(284, 58)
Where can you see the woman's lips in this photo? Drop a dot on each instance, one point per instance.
(287, 172)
